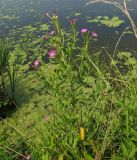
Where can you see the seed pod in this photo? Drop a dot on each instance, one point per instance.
(81, 134)
(60, 157)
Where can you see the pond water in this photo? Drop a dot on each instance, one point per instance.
(21, 16)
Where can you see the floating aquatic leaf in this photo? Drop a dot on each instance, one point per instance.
(114, 22)
(77, 14)
(93, 21)
(109, 22)
(106, 17)
(8, 17)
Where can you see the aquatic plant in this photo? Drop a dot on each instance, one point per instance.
(109, 22)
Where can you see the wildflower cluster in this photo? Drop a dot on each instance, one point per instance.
(53, 51)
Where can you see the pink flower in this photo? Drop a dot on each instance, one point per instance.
(35, 64)
(72, 21)
(52, 53)
(94, 35)
(46, 118)
(51, 33)
(84, 30)
(46, 14)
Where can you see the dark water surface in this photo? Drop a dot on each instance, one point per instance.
(15, 14)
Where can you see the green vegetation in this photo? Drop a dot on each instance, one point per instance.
(4, 53)
(109, 22)
(69, 104)
(77, 14)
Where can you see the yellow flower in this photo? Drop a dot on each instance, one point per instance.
(81, 134)
(55, 17)
(60, 157)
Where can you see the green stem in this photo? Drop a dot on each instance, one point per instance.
(81, 116)
(94, 65)
(127, 124)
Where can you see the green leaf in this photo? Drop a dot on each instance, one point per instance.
(45, 157)
(125, 150)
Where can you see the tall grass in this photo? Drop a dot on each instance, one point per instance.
(8, 71)
(4, 53)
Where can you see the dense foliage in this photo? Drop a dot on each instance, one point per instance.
(69, 103)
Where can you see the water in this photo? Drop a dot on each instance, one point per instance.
(15, 14)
